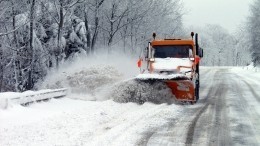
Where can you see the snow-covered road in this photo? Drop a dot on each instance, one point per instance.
(228, 113)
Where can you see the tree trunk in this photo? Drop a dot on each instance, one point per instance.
(110, 39)
(94, 38)
(29, 84)
(95, 34)
(1, 69)
(87, 31)
(17, 65)
(60, 32)
(14, 27)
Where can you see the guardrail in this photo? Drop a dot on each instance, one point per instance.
(28, 97)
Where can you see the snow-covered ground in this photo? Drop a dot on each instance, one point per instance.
(228, 113)
(75, 122)
(7, 99)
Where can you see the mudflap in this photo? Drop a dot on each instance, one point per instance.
(184, 90)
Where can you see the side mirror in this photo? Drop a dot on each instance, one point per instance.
(200, 52)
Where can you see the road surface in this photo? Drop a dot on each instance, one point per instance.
(228, 113)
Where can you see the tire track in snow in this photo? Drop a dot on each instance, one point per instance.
(216, 125)
(175, 132)
(245, 126)
(220, 133)
(117, 123)
(206, 73)
(191, 129)
(149, 134)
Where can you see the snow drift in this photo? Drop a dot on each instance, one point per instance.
(141, 91)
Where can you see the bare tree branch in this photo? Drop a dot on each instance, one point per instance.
(73, 4)
(49, 12)
(6, 33)
(3, 12)
(57, 9)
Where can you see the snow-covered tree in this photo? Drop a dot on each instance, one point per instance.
(220, 47)
(38, 35)
(243, 45)
(254, 30)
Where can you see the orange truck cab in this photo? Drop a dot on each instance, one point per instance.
(176, 62)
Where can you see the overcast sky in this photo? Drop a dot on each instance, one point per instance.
(227, 13)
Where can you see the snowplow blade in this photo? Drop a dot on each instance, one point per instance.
(182, 87)
(183, 90)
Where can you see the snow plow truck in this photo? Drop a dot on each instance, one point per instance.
(175, 62)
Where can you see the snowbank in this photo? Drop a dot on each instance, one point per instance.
(252, 68)
(67, 122)
(3, 103)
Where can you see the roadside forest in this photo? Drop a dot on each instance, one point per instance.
(37, 36)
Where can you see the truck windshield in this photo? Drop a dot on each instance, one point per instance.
(181, 51)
